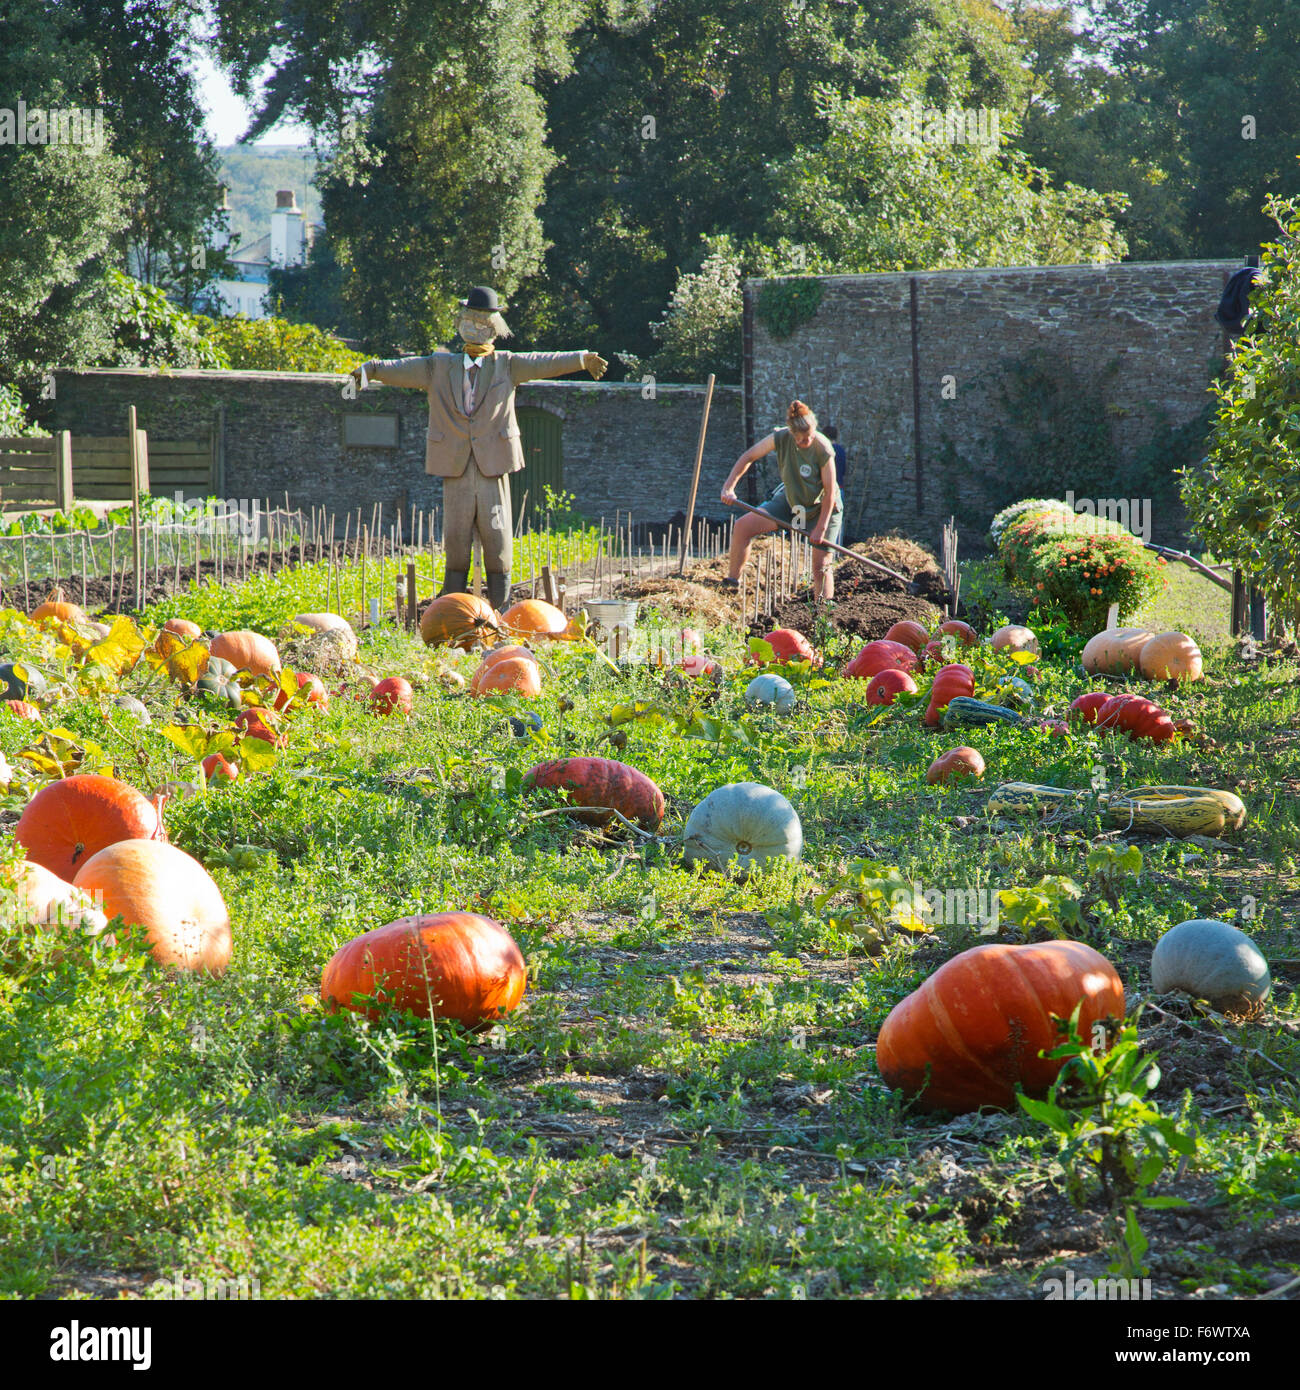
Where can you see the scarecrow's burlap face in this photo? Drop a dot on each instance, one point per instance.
(478, 326)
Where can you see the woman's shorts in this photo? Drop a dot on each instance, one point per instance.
(778, 507)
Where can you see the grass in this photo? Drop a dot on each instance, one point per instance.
(686, 1104)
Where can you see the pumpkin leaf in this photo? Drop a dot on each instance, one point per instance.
(121, 649)
(762, 649)
(191, 740)
(188, 664)
(1023, 658)
(256, 755)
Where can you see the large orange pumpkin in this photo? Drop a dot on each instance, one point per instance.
(964, 633)
(171, 895)
(956, 765)
(442, 965)
(1116, 651)
(247, 651)
(391, 695)
(1170, 656)
(974, 1029)
(602, 782)
(515, 673)
(531, 617)
(68, 821)
(789, 645)
(459, 620)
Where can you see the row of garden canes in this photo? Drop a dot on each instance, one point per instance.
(97, 850)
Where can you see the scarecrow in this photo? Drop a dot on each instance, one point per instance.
(473, 439)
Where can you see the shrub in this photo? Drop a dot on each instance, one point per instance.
(1079, 564)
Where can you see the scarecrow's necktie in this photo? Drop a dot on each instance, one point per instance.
(470, 386)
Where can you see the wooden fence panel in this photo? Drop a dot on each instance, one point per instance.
(28, 475)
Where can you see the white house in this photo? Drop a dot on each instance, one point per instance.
(287, 243)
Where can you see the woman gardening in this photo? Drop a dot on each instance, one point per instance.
(807, 498)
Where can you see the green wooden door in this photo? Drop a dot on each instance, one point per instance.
(542, 442)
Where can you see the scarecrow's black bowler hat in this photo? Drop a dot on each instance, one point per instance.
(482, 297)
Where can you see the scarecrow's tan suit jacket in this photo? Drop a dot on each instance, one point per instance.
(491, 433)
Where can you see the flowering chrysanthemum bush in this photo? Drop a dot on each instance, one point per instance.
(1083, 574)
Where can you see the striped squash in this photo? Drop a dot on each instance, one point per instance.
(1234, 812)
(1178, 815)
(1030, 799)
(966, 710)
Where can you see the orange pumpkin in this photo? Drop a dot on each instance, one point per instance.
(1170, 656)
(219, 770)
(167, 892)
(514, 673)
(57, 608)
(956, 765)
(975, 1028)
(68, 821)
(949, 682)
(495, 654)
(455, 965)
(531, 617)
(1014, 638)
(459, 620)
(602, 783)
(22, 709)
(1116, 651)
(247, 651)
(182, 627)
(964, 633)
(388, 696)
(909, 633)
(255, 723)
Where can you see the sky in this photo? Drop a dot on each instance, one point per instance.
(228, 116)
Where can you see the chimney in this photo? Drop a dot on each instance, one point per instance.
(288, 230)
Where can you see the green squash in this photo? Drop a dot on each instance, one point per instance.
(22, 681)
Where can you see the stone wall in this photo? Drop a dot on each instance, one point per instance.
(279, 432)
(1130, 350)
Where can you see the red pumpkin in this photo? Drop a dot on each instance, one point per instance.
(909, 633)
(886, 686)
(390, 695)
(1085, 707)
(974, 1029)
(602, 782)
(171, 895)
(22, 709)
(490, 659)
(1138, 717)
(219, 770)
(69, 821)
(964, 633)
(956, 765)
(881, 656)
(311, 691)
(949, 682)
(933, 650)
(442, 965)
(254, 723)
(788, 645)
(698, 664)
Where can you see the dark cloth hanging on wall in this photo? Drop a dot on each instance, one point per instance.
(1235, 304)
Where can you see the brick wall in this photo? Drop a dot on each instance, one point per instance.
(284, 431)
(1141, 338)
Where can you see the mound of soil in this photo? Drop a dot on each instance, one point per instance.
(867, 603)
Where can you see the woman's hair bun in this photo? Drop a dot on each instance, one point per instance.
(799, 410)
